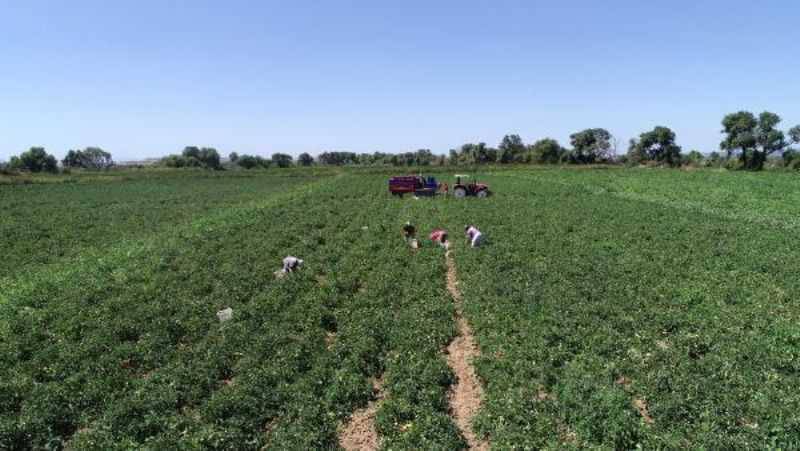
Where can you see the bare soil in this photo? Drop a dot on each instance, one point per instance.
(360, 433)
(466, 394)
(641, 406)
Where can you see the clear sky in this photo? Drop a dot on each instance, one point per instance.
(145, 78)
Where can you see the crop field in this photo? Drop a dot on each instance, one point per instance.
(611, 308)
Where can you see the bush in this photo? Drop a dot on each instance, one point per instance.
(734, 164)
(194, 157)
(253, 162)
(693, 158)
(5, 169)
(791, 159)
(714, 159)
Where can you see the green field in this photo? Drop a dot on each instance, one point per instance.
(613, 308)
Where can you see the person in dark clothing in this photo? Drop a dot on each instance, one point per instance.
(409, 231)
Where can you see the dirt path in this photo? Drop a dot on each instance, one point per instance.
(466, 394)
(360, 432)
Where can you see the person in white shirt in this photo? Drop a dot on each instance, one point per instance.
(474, 236)
(290, 264)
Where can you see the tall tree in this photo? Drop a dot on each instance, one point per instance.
(754, 139)
(305, 159)
(423, 157)
(89, 158)
(511, 149)
(454, 157)
(192, 156)
(592, 145)
(547, 150)
(36, 159)
(482, 154)
(281, 160)
(337, 158)
(656, 145)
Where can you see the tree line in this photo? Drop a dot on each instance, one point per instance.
(749, 141)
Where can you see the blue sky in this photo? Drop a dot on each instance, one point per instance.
(146, 78)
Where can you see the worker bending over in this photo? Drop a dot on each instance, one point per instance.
(410, 235)
(474, 236)
(291, 264)
(409, 232)
(439, 237)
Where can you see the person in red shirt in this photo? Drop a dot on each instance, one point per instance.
(439, 236)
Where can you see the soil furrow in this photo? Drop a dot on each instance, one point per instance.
(360, 433)
(466, 394)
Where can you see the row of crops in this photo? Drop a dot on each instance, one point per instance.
(48, 222)
(613, 313)
(118, 347)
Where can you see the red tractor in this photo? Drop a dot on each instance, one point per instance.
(469, 188)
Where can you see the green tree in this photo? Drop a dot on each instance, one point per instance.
(89, 158)
(754, 139)
(304, 159)
(210, 158)
(233, 157)
(423, 157)
(72, 159)
(473, 154)
(252, 161)
(454, 157)
(656, 145)
(36, 159)
(194, 157)
(794, 134)
(337, 158)
(547, 151)
(511, 149)
(281, 160)
(592, 145)
(206, 157)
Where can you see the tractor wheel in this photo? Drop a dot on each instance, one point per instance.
(460, 192)
(482, 193)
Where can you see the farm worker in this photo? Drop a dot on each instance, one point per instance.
(439, 236)
(290, 264)
(409, 232)
(446, 189)
(474, 236)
